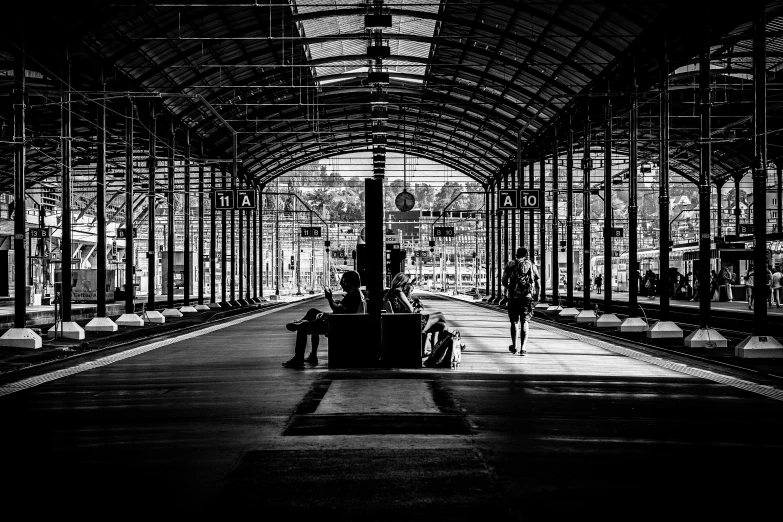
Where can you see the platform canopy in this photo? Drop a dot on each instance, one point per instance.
(466, 79)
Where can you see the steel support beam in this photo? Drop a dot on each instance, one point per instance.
(542, 224)
(100, 208)
(65, 169)
(555, 223)
(187, 253)
(760, 172)
(570, 215)
(170, 218)
(151, 252)
(705, 188)
(586, 167)
(130, 256)
(633, 209)
(608, 209)
(664, 285)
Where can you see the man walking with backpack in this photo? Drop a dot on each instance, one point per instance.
(521, 280)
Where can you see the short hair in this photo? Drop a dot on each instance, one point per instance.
(351, 278)
(521, 252)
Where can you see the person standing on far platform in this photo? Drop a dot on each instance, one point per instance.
(598, 282)
(777, 285)
(769, 286)
(749, 282)
(521, 280)
(725, 279)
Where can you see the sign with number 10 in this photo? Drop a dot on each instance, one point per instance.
(520, 199)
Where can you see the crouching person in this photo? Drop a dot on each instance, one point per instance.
(315, 322)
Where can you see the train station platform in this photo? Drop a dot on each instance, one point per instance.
(208, 423)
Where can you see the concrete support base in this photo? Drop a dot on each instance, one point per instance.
(21, 338)
(243, 302)
(188, 310)
(214, 306)
(608, 321)
(586, 317)
(568, 315)
(153, 316)
(101, 324)
(541, 308)
(553, 311)
(665, 330)
(633, 325)
(202, 308)
(759, 347)
(171, 312)
(705, 338)
(66, 330)
(130, 320)
(234, 303)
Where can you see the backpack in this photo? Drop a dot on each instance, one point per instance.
(521, 284)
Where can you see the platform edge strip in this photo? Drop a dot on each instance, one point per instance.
(31, 382)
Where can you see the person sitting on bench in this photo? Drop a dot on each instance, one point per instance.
(401, 302)
(314, 323)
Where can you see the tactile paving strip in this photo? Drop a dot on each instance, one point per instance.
(31, 382)
(761, 389)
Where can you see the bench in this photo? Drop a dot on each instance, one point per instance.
(352, 346)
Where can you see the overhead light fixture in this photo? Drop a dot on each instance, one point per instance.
(379, 112)
(378, 52)
(378, 77)
(379, 98)
(377, 21)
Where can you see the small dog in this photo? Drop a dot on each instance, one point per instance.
(456, 351)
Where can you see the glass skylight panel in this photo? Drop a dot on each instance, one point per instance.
(338, 56)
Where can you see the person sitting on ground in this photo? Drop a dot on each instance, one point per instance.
(315, 322)
(401, 302)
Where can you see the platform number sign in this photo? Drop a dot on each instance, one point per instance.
(246, 199)
(530, 200)
(444, 232)
(616, 231)
(310, 232)
(224, 199)
(123, 234)
(507, 199)
(746, 228)
(522, 199)
(39, 233)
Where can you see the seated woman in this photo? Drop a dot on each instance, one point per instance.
(314, 323)
(401, 302)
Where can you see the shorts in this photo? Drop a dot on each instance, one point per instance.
(520, 309)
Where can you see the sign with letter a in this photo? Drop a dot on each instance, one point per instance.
(246, 199)
(507, 199)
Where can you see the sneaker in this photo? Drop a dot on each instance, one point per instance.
(511, 348)
(294, 326)
(522, 352)
(312, 359)
(294, 362)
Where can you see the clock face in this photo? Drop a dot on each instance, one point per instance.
(405, 201)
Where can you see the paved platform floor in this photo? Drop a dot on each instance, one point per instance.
(211, 425)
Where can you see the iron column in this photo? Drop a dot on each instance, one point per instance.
(663, 194)
(187, 253)
(170, 218)
(760, 172)
(100, 203)
(130, 257)
(608, 254)
(152, 260)
(704, 188)
(587, 165)
(65, 169)
(20, 211)
(555, 235)
(633, 209)
(570, 215)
